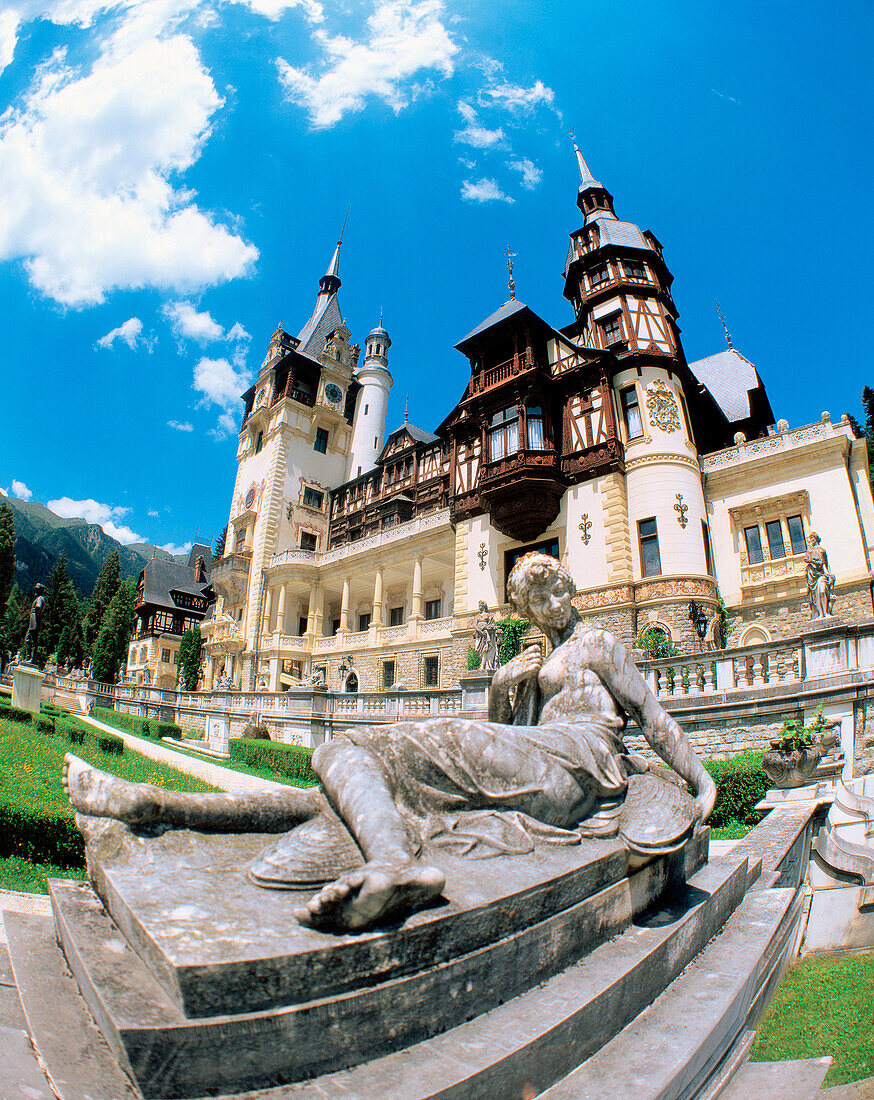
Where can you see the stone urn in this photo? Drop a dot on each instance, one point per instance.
(797, 768)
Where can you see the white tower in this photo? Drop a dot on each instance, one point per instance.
(371, 408)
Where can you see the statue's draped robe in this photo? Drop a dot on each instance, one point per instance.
(481, 788)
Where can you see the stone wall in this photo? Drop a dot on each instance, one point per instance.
(863, 736)
(785, 617)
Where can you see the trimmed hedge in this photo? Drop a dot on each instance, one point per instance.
(166, 729)
(16, 714)
(42, 836)
(43, 723)
(740, 784)
(133, 722)
(293, 761)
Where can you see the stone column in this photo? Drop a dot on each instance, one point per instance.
(268, 610)
(311, 613)
(416, 612)
(319, 612)
(280, 616)
(378, 618)
(344, 608)
(273, 681)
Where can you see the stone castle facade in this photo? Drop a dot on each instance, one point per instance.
(362, 557)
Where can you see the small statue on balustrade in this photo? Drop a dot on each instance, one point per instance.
(31, 638)
(820, 581)
(487, 639)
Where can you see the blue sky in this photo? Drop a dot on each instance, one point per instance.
(174, 173)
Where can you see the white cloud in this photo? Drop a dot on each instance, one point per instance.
(172, 548)
(238, 334)
(516, 99)
(9, 24)
(486, 190)
(128, 332)
(188, 323)
(404, 37)
(104, 515)
(151, 512)
(474, 133)
(86, 200)
(221, 384)
(19, 490)
(531, 174)
(180, 426)
(273, 9)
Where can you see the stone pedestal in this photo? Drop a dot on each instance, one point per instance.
(825, 646)
(27, 687)
(219, 731)
(475, 692)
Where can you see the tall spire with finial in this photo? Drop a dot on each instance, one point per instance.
(587, 180)
(724, 325)
(511, 284)
(407, 410)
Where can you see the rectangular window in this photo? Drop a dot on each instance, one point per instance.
(600, 275)
(321, 443)
(388, 674)
(650, 559)
(308, 540)
(754, 545)
(504, 433)
(395, 616)
(165, 656)
(312, 498)
(259, 442)
(335, 626)
(176, 657)
(534, 416)
(512, 556)
(433, 609)
(240, 540)
(635, 270)
(775, 539)
(612, 328)
(364, 621)
(708, 554)
(432, 672)
(301, 626)
(631, 412)
(796, 534)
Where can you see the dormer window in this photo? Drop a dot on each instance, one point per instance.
(635, 271)
(612, 329)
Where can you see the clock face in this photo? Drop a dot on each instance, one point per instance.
(262, 396)
(333, 393)
(250, 498)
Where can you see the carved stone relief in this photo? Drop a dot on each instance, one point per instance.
(662, 406)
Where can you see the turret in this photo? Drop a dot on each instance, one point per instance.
(371, 408)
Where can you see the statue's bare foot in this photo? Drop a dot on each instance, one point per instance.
(376, 891)
(95, 792)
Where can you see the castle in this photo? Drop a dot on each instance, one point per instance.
(361, 558)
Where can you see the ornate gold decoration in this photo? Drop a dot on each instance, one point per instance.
(586, 527)
(662, 406)
(681, 509)
(483, 555)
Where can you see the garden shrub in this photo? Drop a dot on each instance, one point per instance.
(166, 729)
(740, 784)
(43, 723)
(511, 638)
(16, 714)
(293, 761)
(108, 742)
(473, 659)
(43, 836)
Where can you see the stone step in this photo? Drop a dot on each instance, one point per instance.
(792, 1080)
(539, 1035)
(521, 1048)
(677, 1046)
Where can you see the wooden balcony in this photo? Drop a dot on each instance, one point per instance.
(522, 492)
(503, 372)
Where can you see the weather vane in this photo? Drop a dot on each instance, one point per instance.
(511, 284)
(407, 409)
(724, 325)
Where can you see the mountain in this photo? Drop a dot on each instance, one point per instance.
(41, 537)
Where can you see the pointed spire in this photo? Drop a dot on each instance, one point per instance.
(330, 281)
(510, 283)
(587, 180)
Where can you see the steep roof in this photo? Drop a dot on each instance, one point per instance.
(326, 317)
(731, 378)
(612, 231)
(508, 309)
(161, 577)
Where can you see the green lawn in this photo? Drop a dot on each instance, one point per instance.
(36, 820)
(823, 1006)
(235, 766)
(30, 878)
(733, 830)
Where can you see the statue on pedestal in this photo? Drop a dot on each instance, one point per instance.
(557, 773)
(487, 639)
(820, 581)
(31, 638)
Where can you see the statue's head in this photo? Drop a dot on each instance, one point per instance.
(40, 589)
(813, 539)
(483, 606)
(534, 574)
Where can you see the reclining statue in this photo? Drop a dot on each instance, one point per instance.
(548, 765)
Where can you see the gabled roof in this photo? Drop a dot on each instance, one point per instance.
(161, 577)
(326, 318)
(418, 435)
(200, 550)
(612, 231)
(508, 309)
(730, 378)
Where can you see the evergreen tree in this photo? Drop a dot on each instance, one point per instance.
(189, 658)
(105, 587)
(61, 610)
(7, 552)
(219, 545)
(110, 649)
(70, 647)
(14, 622)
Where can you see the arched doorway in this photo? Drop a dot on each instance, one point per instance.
(351, 684)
